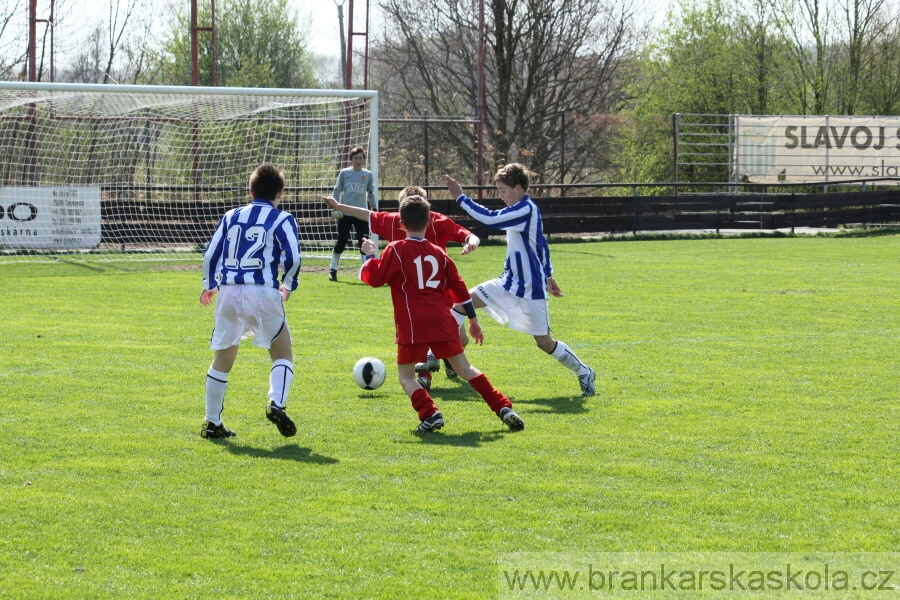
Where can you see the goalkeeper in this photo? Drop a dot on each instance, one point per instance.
(355, 187)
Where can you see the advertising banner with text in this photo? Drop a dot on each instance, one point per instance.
(817, 149)
(51, 218)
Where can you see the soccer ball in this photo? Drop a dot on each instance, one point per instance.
(369, 373)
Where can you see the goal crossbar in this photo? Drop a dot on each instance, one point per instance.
(146, 171)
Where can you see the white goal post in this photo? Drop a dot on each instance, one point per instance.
(145, 172)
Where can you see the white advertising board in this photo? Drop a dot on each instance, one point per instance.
(54, 218)
(805, 149)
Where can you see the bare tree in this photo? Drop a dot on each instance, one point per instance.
(115, 49)
(550, 65)
(13, 41)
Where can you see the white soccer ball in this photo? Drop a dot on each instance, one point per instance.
(369, 373)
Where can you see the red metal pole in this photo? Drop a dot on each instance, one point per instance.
(195, 76)
(366, 59)
(32, 41)
(348, 82)
(52, 42)
(479, 128)
(212, 30)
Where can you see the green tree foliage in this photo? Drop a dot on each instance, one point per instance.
(710, 58)
(717, 59)
(258, 44)
(881, 95)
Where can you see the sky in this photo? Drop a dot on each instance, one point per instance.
(320, 15)
(323, 18)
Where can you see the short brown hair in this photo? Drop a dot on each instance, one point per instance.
(357, 150)
(414, 213)
(512, 175)
(413, 190)
(266, 182)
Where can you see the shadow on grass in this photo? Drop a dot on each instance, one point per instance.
(868, 232)
(289, 452)
(558, 405)
(472, 439)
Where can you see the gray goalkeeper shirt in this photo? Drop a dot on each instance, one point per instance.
(353, 187)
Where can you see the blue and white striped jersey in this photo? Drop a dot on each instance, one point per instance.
(248, 246)
(527, 265)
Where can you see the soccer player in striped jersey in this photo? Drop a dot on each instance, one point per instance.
(421, 277)
(241, 263)
(355, 186)
(519, 295)
(440, 231)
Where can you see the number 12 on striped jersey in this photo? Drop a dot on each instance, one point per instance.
(248, 261)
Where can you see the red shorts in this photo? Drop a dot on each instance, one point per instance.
(416, 353)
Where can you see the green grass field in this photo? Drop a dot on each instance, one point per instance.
(747, 401)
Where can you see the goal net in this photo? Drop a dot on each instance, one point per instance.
(147, 171)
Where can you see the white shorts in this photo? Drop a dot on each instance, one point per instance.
(528, 316)
(247, 310)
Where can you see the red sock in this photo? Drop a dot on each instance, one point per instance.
(494, 399)
(423, 404)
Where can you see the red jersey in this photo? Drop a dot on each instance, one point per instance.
(422, 279)
(440, 229)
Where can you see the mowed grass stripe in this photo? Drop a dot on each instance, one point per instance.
(747, 400)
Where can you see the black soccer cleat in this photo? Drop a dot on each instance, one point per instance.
(432, 423)
(211, 431)
(512, 420)
(424, 380)
(332, 274)
(449, 370)
(277, 415)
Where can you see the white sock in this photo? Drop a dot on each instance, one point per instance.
(280, 378)
(216, 384)
(567, 358)
(335, 261)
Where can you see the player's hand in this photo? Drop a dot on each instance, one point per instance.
(333, 205)
(285, 294)
(472, 242)
(367, 246)
(553, 288)
(454, 187)
(475, 332)
(206, 297)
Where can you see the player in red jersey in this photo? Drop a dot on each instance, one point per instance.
(440, 231)
(423, 279)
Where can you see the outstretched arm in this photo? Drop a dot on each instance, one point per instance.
(472, 242)
(354, 211)
(367, 247)
(454, 187)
